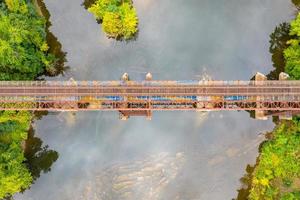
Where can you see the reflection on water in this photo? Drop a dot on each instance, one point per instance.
(143, 179)
(278, 43)
(296, 3)
(55, 46)
(88, 3)
(244, 191)
(39, 158)
(178, 39)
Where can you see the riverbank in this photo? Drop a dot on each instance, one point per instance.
(24, 55)
(276, 174)
(216, 147)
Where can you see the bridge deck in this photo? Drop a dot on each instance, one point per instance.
(150, 95)
(270, 88)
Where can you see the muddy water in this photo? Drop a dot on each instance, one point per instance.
(177, 155)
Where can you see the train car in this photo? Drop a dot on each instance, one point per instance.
(159, 98)
(142, 97)
(234, 98)
(167, 98)
(113, 98)
(192, 98)
(204, 98)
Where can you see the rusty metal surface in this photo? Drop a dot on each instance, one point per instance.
(150, 95)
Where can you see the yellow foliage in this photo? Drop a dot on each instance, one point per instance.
(112, 24)
(44, 47)
(275, 160)
(119, 18)
(264, 182)
(17, 6)
(268, 172)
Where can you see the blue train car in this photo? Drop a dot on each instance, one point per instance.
(114, 98)
(235, 98)
(159, 98)
(194, 98)
(163, 98)
(142, 97)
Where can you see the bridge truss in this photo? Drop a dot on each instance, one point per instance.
(141, 98)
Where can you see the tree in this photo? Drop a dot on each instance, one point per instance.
(14, 175)
(39, 158)
(112, 24)
(278, 43)
(23, 46)
(292, 53)
(296, 3)
(23, 56)
(17, 6)
(129, 20)
(119, 19)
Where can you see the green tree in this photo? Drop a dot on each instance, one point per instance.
(292, 53)
(129, 20)
(118, 17)
(112, 24)
(278, 43)
(17, 6)
(296, 3)
(14, 175)
(279, 164)
(23, 46)
(24, 54)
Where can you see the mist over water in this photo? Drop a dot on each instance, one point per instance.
(101, 157)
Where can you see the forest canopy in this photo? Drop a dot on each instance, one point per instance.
(277, 174)
(23, 46)
(23, 56)
(292, 53)
(14, 175)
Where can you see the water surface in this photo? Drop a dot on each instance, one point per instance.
(177, 155)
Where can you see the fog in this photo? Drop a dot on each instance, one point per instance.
(176, 155)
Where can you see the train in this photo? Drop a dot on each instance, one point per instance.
(152, 98)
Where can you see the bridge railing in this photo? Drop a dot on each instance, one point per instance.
(145, 83)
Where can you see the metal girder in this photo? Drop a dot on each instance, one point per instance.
(140, 98)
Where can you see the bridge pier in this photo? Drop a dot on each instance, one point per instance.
(284, 76)
(125, 77)
(285, 115)
(259, 114)
(125, 114)
(148, 76)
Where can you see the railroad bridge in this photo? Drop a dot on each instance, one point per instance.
(140, 98)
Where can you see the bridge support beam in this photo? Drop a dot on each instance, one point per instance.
(148, 76)
(260, 114)
(125, 77)
(126, 114)
(283, 76)
(285, 115)
(123, 116)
